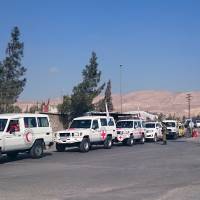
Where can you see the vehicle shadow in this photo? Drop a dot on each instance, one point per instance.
(22, 156)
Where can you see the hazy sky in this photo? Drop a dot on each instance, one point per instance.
(157, 42)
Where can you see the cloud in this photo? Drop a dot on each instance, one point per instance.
(53, 70)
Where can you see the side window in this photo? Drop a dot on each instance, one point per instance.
(43, 122)
(13, 126)
(139, 124)
(135, 124)
(111, 122)
(95, 125)
(30, 122)
(103, 122)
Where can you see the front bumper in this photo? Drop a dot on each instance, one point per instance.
(68, 140)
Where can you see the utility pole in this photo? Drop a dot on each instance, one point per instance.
(120, 86)
(188, 97)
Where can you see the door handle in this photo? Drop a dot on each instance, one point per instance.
(47, 133)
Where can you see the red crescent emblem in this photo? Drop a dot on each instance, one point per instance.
(28, 137)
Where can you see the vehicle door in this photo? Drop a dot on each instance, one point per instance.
(136, 130)
(30, 130)
(95, 131)
(13, 136)
(112, 128)
(44, 129)
(3, 123)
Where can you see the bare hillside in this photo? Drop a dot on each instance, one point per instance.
(153, 101)
(158, 101)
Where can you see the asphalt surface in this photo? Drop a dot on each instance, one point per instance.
(142, 172)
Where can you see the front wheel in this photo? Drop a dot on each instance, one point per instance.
(155, 138)
(142, 141)
(37, 150)
(85, 145)
(130, 141)
(60, 147)
(108, 143)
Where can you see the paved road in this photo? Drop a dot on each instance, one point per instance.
(142, 172)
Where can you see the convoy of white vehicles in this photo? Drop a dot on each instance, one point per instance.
(32, 133)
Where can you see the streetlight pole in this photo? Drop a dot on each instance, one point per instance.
(121, 87)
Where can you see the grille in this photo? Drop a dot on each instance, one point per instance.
(64, 134)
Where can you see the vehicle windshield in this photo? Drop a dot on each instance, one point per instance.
(81, 124)
(170, 124)
(124, 124)
(150, 125)
(3, 123)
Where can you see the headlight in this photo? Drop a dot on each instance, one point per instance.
(57, 135)
(76, 134)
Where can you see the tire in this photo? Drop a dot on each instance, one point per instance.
(60, 147)
(85, 145)
(142, 140)
(175, 136)
(37, 149)
(155, 139)
(108, 143)
(130, 141)
(12, 155)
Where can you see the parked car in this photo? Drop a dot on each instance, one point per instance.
(130, 131)
(25, 133)
(153, 131)
(87, 131)
(172, 127)
(198, 123)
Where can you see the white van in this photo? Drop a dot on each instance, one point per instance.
(24, 133)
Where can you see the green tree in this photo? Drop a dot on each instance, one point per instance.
(84, 93)
(100, 106)
(108, 96)
(12, 72)
(161, 117)
(65, 110)
(65, 107)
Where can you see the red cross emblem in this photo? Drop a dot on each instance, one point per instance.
(103, 135)
(120, 138)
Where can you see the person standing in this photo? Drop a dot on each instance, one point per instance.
(164, 134)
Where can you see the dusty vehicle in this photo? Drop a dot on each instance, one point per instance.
(25, 133)
(87, 131)
(172, 128)
(153, 131)
(130, 131)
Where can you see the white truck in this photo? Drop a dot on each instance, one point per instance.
(172, 128)
(153, 131)
(87, 131)
(24, 133)
(130, 131)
